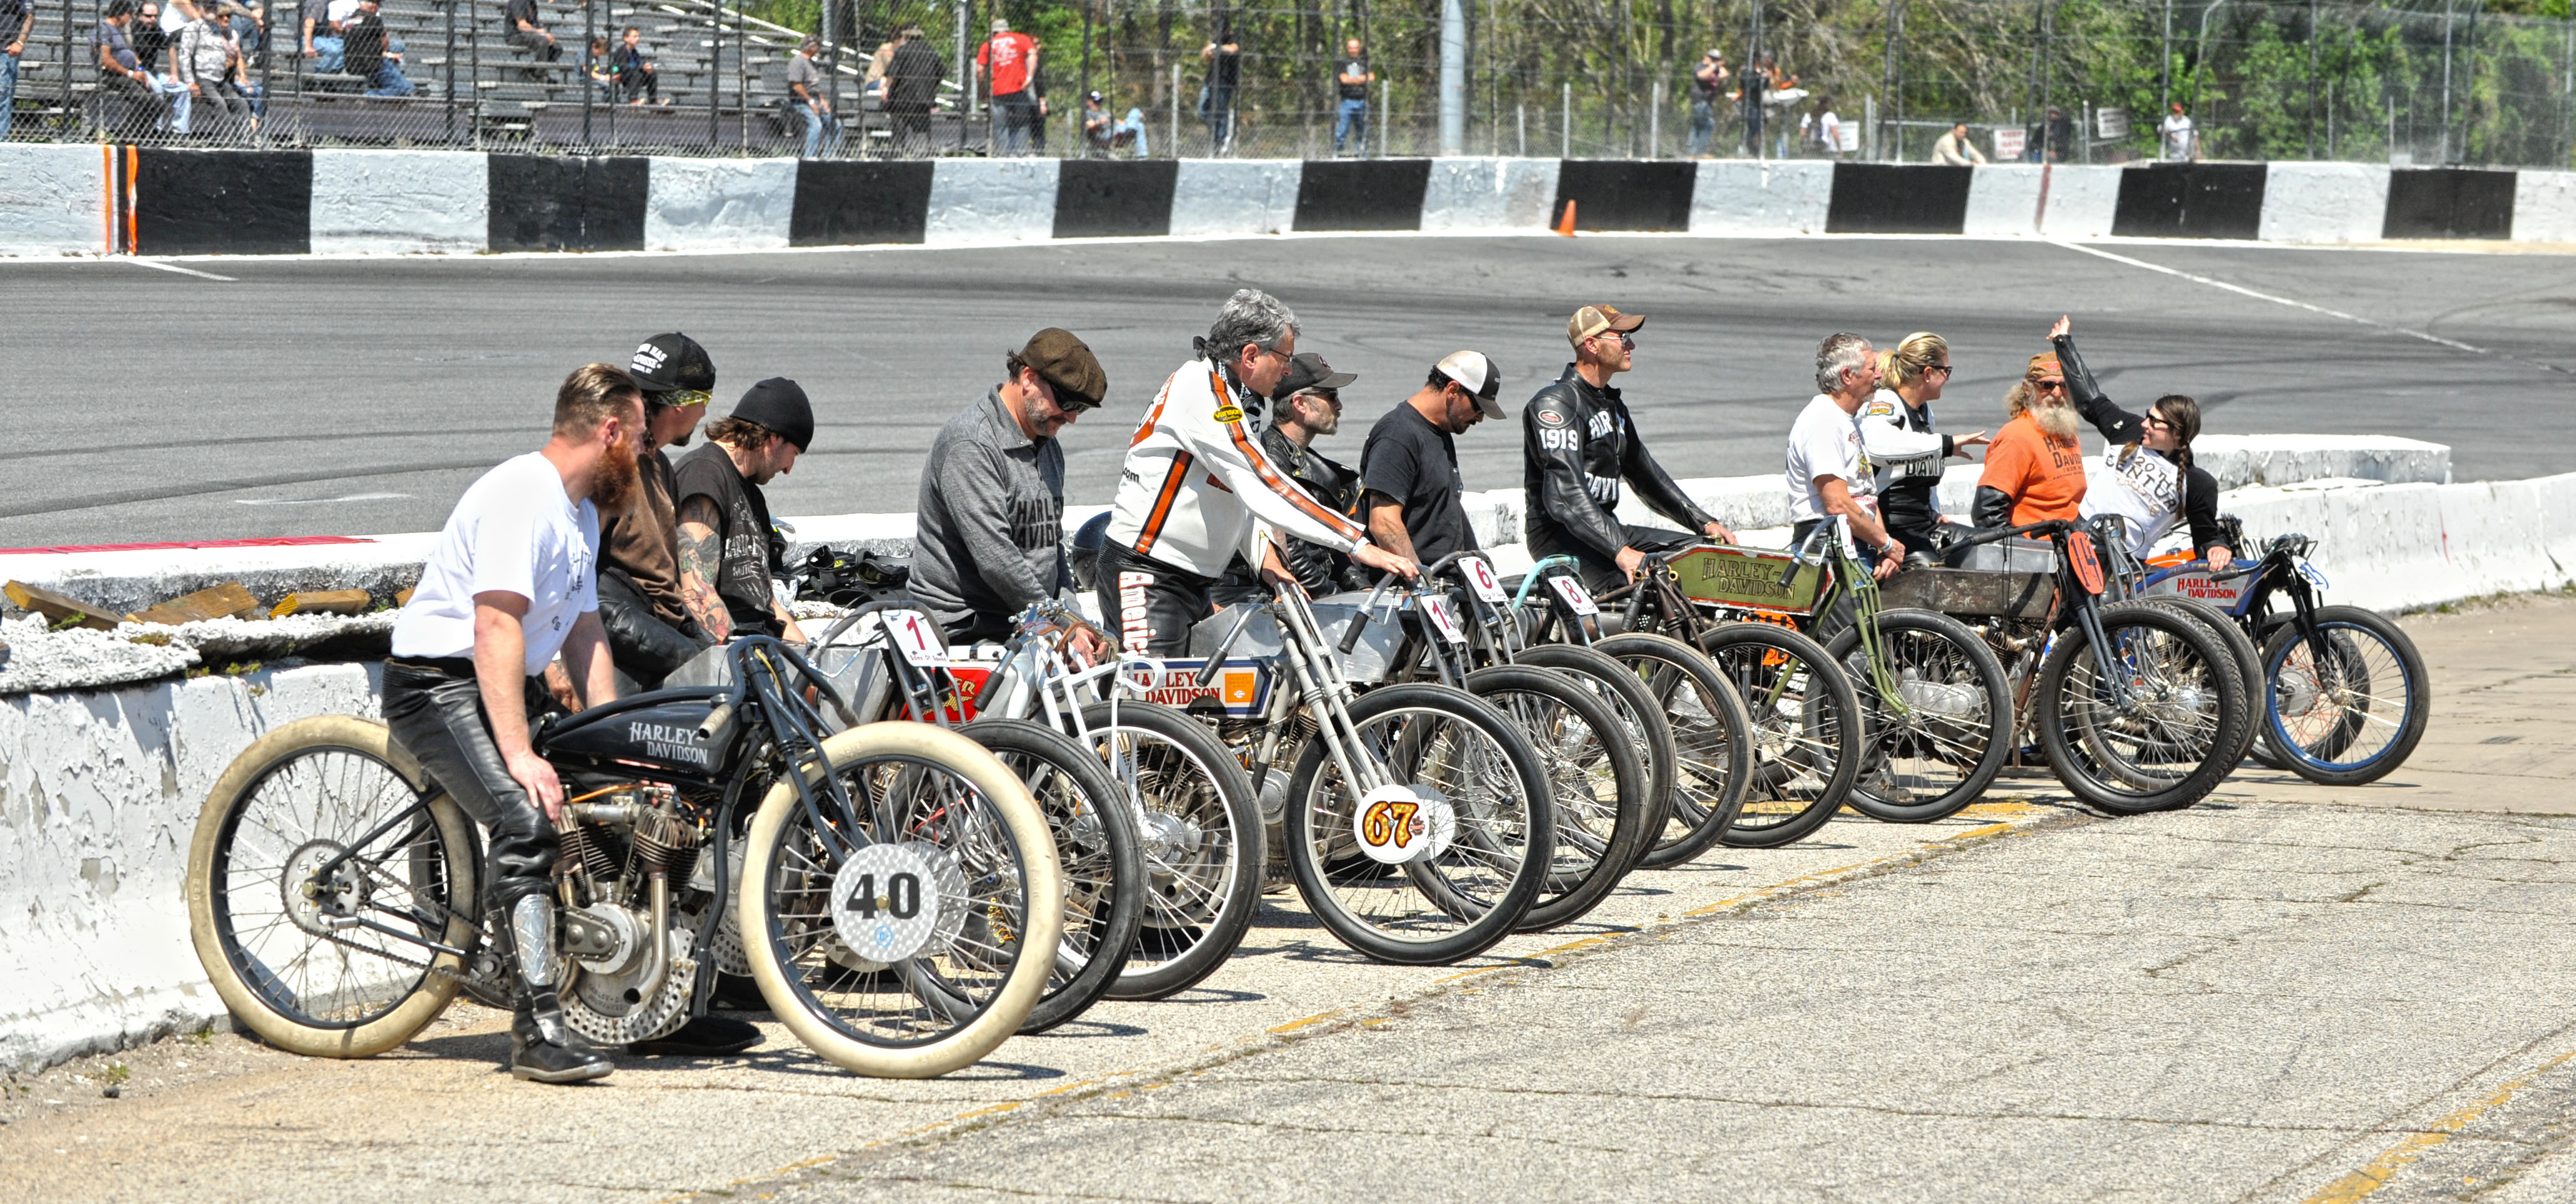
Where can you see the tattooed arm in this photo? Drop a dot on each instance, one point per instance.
(701, 560)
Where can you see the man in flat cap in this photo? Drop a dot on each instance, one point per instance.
(991, 512)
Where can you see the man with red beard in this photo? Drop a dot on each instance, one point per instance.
(2035, 467)
(513, 580)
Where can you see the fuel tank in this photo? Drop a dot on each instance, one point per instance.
(659, 730)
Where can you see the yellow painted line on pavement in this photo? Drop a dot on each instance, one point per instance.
(2361, 1183)
(1317, 1018)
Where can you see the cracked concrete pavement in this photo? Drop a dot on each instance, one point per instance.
(2287, 993)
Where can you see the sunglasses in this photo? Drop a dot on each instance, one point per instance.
(2154, 421)
(1943, 369)
(1620, 335)
(2051, 386)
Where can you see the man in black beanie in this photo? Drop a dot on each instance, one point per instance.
(650, 630)
(729, 553)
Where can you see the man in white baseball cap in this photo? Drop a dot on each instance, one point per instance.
(1409, 466)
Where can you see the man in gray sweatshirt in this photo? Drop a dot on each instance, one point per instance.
(991, 538)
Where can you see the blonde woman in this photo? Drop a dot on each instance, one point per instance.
(1897, 430)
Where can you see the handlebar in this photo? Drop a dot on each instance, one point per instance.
(2050, 526)
(1530, 580)
(1359, 622)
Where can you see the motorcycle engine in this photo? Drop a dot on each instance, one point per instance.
(629, 852)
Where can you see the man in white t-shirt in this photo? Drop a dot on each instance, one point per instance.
(513, 580)
(1829, 470)
(2182, 145)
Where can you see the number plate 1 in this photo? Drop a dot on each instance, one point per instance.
(1443, 620)
(918, 637)
(891, 902)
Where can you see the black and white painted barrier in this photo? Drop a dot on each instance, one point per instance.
(157, 201)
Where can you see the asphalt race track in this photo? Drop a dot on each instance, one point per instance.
(359, 396)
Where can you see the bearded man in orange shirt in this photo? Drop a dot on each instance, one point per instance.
(2035, 469)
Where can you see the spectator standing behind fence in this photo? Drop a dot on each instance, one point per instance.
(1708, 82)
(17, 18)
(373, 56)
(2051, 138)
(805, 88)
(1756, 81)
(1004, 64)
(912, 83)
(1955, 149)
(1822, 130)
(1353, 77)
(526, 33)
(1224, 58)
(2181, 142)
(204, 56)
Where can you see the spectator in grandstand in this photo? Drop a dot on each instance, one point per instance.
(322, 42)
(912, 85)
(638, 80)
(991, 505)
(177, 16)
(1352, 78)
(370, 57)
(250, 26)
(1708, 82)
(524, 32)
(872, 88)
(813, 103)
(2181, 142)
(203, 56)
(1105, 136)
(1956, 149)
(122, 81)
(1224, 58)
(1005, 64)
(17, 19)
(149, 41)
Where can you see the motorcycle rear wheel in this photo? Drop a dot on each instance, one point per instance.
(1100, 857)
(1203, 843)
(266, 921)
(1712, 743)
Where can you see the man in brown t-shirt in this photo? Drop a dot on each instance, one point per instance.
(650, 632)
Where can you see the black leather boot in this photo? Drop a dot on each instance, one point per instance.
(544, 1050)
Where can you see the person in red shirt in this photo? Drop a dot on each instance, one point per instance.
(1010, 62)
(2035, 468)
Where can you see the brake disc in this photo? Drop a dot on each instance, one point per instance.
(609, 1009)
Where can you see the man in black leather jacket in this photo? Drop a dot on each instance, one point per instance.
(649, 627)
(1577, 445)
(1310, 404)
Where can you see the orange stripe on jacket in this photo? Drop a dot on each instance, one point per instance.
(1313, 509)
(1153, 528)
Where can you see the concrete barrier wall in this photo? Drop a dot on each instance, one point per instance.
(56, 200)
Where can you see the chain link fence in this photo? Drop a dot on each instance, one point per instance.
(2409, 82)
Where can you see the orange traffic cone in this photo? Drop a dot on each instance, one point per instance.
(1565, 225)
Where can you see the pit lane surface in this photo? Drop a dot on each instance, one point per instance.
(2288, 993)
(362, 396)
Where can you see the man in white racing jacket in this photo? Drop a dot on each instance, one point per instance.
(1197, 489)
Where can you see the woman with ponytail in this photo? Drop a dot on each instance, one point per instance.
(1896, 430)
(2150, 479)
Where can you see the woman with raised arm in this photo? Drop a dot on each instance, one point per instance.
(2150, 478)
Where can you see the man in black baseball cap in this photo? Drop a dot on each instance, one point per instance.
(729, 550)
(650, 632)
(1310, 405)
(1409, 466)
(991, 509)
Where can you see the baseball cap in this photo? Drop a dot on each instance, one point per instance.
(1478, 374)
(778, 404)
(1593, 319)
(674, 363)
(1714, 53)
(1307, 370)
(1067, 364)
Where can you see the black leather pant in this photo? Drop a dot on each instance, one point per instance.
(438, 715)
(1148, 605)
(643, 647)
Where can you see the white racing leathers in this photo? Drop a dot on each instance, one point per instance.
(1196, 488)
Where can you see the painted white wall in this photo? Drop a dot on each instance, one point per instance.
(1488, 194)
(53, 199)
(2081, 201)
(2544, 206)
(1733, 196)
(1235, 196)
(719, 204)
(401, 201)
(977, 200)
(2324, 202)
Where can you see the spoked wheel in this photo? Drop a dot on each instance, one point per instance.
(321, 880)
(2244, 660)
(2353, 714)
(1954, 732)
(1712, 742)
(1101, 854)
(1596, 780)
(912, 936)
(1641, 720)
(1202, 843)
(1468, 825)
(2152, 734)
(1807, 730)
